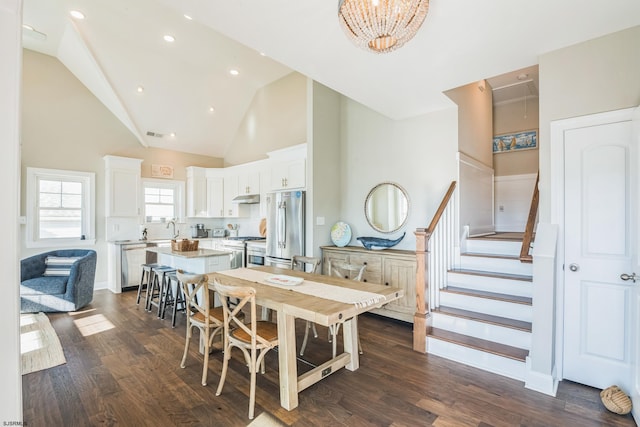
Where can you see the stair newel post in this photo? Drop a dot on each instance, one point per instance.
(422, 291)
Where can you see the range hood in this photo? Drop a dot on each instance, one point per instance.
(247, 198)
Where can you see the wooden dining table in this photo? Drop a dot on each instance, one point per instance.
(303, 302)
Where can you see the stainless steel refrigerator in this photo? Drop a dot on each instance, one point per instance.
(285, 227)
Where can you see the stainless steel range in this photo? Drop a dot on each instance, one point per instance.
(238, 247)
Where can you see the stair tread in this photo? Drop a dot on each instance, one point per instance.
(493, 256)
(501, 236)
(510, 276)
(485, 318)
(489, 295)
(479, 344)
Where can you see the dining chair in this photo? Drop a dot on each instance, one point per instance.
(310, 265)
(345, 271)
(199, 315)
(254, 339)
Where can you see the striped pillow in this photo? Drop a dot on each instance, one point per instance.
(59, 266)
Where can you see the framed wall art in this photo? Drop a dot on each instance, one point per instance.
(161, 171)
(517, 141)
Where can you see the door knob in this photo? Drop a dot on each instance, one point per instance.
(574, 267)
(625, 276)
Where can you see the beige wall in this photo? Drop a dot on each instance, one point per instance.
(591, 77)
(324, 143)
(475, 134)
(276, 118)
(509, 118)
(64, 126)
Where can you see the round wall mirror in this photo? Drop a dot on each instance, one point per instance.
(387, 207)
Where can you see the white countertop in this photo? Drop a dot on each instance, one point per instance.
(200, 253)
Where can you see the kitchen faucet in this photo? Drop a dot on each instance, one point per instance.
(173, 223)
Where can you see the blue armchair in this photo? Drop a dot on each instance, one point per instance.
(48, 287)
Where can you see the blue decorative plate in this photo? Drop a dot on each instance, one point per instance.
(340, 234)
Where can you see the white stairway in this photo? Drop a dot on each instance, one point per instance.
(484, 313)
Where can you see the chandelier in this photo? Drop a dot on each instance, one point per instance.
(382, 25)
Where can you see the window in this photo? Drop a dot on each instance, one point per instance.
(60, 207)
(162, 199)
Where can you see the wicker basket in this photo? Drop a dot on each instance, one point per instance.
(616, 400)
(184, 245)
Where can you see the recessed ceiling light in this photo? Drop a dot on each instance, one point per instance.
(263, 54)
(172, 134)
(234, 72)
(77, 14)
(169, 38)
(188, 17)
(212, 109)
(140, 89)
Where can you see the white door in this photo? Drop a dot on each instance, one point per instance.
(600, 248)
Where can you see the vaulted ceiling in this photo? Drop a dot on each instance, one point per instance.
(189, 101)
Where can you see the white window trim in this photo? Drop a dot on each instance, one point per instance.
(179, 191)
(89, 208)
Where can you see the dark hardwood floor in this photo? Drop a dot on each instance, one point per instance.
(123, 369)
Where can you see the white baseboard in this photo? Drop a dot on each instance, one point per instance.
(542, 383)
(100, 285)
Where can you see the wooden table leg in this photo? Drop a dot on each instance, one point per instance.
(350, 335)
(287, 361)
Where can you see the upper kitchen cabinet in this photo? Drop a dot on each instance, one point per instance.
(197, 205)
(231, 208)
(122, 183)
(288, 168)
(215, 193)
(249, 182)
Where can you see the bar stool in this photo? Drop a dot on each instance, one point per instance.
(177, 302)
(157, 286)
(147, 272)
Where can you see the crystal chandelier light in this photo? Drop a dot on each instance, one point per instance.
(382, 25)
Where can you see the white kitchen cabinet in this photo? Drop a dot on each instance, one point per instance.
(215, 197)
(249, 182)
(288, 175)
(197, 206)
(122, 184)
(231, 209)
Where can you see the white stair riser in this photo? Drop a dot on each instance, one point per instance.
(493, 247)
(519, 288)
(486, 361)
(487, 306)
(496, 265)
(485, 331)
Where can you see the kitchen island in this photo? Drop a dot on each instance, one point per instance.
(202, 261)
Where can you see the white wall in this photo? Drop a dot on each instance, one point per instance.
(10, 76)
(513, 195)
(418, 153)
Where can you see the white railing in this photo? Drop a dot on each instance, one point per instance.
(435, 255)
(441, 252)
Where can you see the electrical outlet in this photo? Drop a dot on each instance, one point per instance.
(319, 220)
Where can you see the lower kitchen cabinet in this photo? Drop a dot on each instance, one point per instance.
(389, 267)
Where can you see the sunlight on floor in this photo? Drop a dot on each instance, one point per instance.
(31, 341)
(77, 313)
(93, 324)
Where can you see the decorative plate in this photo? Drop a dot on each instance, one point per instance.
(340, 234)
(281, 279)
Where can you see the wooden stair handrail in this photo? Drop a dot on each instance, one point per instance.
(422, 278)
(531, 222)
